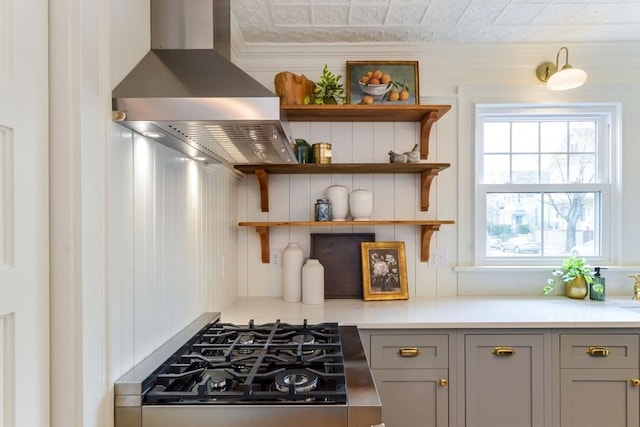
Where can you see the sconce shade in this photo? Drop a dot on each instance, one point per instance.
(567, 78)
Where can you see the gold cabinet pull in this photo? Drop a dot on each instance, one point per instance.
(503, 351)
(443, 382)
(635, 382)
(408, 352)
(598, 351)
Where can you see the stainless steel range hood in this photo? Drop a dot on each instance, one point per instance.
(188, 95)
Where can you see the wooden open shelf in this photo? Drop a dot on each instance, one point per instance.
(426, 115)
(427, 228)
(427, 172)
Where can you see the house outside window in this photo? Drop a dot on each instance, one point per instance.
(543, 187)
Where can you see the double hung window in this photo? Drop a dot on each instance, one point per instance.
(543, 187)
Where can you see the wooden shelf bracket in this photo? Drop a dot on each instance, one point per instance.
(425, 132)
(426, 178)
(263, 232)
(426, 234)
(263, 183)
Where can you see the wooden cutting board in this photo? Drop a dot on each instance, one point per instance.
(339, 253)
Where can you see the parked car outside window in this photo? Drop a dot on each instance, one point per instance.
(520, 244)
(585, 249)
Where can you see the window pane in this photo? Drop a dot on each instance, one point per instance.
(497, 137)
(496, 169)
(553, 137)
(582, 168)
(582, 136)
(547, 224)
(525, 169)
(553, 168)
(513, 224)
(525, 137)
(570, 223)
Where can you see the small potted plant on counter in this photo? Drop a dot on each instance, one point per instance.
(576, 275)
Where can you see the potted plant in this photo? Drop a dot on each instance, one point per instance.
(575, 274)
(328, 89)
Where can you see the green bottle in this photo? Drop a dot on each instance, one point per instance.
(596, 291)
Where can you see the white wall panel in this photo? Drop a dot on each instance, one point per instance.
(172, 244)
(7, 370)
(7, 202)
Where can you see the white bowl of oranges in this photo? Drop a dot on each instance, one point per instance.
(379, 86)
(375, 83)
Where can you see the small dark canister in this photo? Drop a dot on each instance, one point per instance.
(323, 210)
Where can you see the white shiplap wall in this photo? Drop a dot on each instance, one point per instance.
(171, 243)
(291, 198)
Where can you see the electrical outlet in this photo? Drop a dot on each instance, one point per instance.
(433, 258)
(438, 258)
(276, 258)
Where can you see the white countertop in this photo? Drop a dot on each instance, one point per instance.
(454, 312)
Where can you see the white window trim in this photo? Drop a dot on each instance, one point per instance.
(610, 97)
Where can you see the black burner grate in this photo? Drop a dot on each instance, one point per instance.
(231, 364)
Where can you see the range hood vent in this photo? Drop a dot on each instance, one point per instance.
(196, 100)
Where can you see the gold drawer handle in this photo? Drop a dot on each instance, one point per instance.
(443, 382)
(598, 351)
(635, 382)
(408, 352)
(503, 351)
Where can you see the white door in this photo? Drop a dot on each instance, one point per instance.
(24, 210)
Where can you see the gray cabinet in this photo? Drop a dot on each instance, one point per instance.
(506, 377)
(411, 372)
(504, 380)
(599, 379)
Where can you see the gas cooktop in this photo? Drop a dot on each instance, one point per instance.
(268, 363)
(275, 374)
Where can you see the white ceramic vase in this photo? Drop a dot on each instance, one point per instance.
(361, 204)
(292, 259)
(312, 282)
(338, 195)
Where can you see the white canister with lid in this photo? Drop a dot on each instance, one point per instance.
(292, 259)
(312, 282)
(338, 195)
(361, 204)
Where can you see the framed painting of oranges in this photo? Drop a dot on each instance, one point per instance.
(382, 82)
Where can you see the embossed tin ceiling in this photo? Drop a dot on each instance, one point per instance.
(452, 21)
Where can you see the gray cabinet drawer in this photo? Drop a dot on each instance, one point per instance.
(387, 351)
(601, 351)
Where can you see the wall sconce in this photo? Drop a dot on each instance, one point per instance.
(566, 78)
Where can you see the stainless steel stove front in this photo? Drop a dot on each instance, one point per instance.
(363, 407)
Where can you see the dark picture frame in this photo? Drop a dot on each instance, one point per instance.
(365, 87)
(384, 271)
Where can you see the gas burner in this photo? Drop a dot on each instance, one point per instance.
(302, 380)
(245, 339)
(304, 339)
(218, 381)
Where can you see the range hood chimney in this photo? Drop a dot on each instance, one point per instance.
(185, 93)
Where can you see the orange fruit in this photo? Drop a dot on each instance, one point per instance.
(374, 81)
(404, 95)
(386, 78)
(367, 99)
(393, 96)
(377, 74)
(364, 79)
